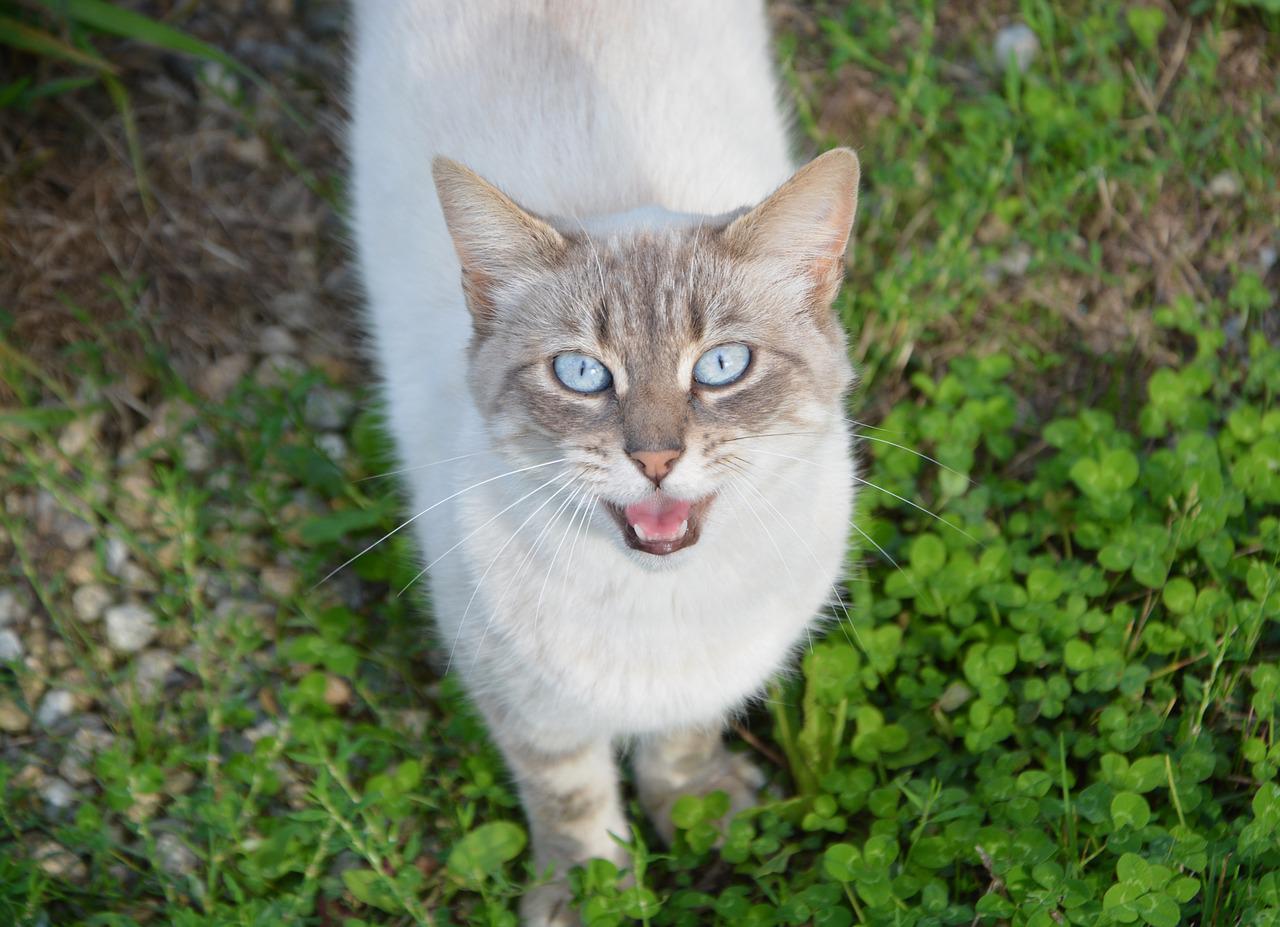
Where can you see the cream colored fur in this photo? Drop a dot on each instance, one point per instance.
(619, 119)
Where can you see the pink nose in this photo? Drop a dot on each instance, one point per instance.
(656, 464)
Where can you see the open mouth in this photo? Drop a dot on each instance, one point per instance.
(660, 524)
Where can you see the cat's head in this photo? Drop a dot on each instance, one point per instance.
(665, 359)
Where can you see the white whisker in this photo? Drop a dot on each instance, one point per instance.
(799, 537)
(480, 582)
(435, 505)
(581, 503)
(524, 565)
(492, 519)
(434, 463)
(888, 492)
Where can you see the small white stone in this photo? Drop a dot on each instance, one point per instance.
(333, 446)
(1019, 42)
(176, 857)
(151, 670)
(59, 862)
(327, 409)
(1266, 258)
(10, 646)
(56, 705)
(117, 555)
(13, 720)
(1224, 186)
(221, 377)
(9, 607)
(276, 339)
(57, 793)
(89, 601)
(130, 627)
(196, 455)
(277, 370)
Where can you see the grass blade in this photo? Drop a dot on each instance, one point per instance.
(20, 35)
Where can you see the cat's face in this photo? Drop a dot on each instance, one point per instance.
(671, 365)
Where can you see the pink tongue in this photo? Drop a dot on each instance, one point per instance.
(659, 516)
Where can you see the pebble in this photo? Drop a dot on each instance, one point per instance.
(89, 602)
(218, 379)
(117, 555)
(74, 532)
(83, 568)
(277, 370)
(57, 793)
(337, 691)
(9, 607)
(1266, 258)
(293, 309)
(59, 862)
(176, 857)
(78, 435)
(152, 671)
(13, 720)
(334, 447)
(90, 740)
(56, 705)
(1015, 261)
(282, 582)
(1019, 42)
(10, 646)
(1224, 186)
(276, 339)
(130, 627)
(327, 409)
(196, 455)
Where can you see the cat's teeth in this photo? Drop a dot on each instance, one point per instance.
(645, 536)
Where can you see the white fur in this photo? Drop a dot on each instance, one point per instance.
(583, 110)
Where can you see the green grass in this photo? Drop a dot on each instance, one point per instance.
(1057, 704)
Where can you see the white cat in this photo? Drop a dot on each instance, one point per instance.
(620, 402)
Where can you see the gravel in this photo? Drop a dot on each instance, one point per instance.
(327, 409)
(59, 862)
(57, 793)
(1018, 42)
(117, 555)
(89, 601)
(151, 672)
(13, 720)
(276, 339)
(10, 646)
(1224, 186)
(176, 857)
(130, 627)
(56, 705)
(10, 609)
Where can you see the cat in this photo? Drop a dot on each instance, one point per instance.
(599, 296)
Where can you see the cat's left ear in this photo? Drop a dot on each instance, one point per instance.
(496, 240)
(804, 225)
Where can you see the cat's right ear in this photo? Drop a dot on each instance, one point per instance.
(497, 241)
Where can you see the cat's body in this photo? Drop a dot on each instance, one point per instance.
(625, 125)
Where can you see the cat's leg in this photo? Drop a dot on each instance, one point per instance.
(571, 800)
(691, 762)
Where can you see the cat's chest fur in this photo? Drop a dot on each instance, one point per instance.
(557, 624)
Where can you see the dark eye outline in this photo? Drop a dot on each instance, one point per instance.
(555, 372)
(751, 356)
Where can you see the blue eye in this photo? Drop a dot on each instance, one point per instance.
(722, 365)
(581, 374)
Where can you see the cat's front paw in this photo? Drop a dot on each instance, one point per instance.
(549, 905)
(719, 770)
